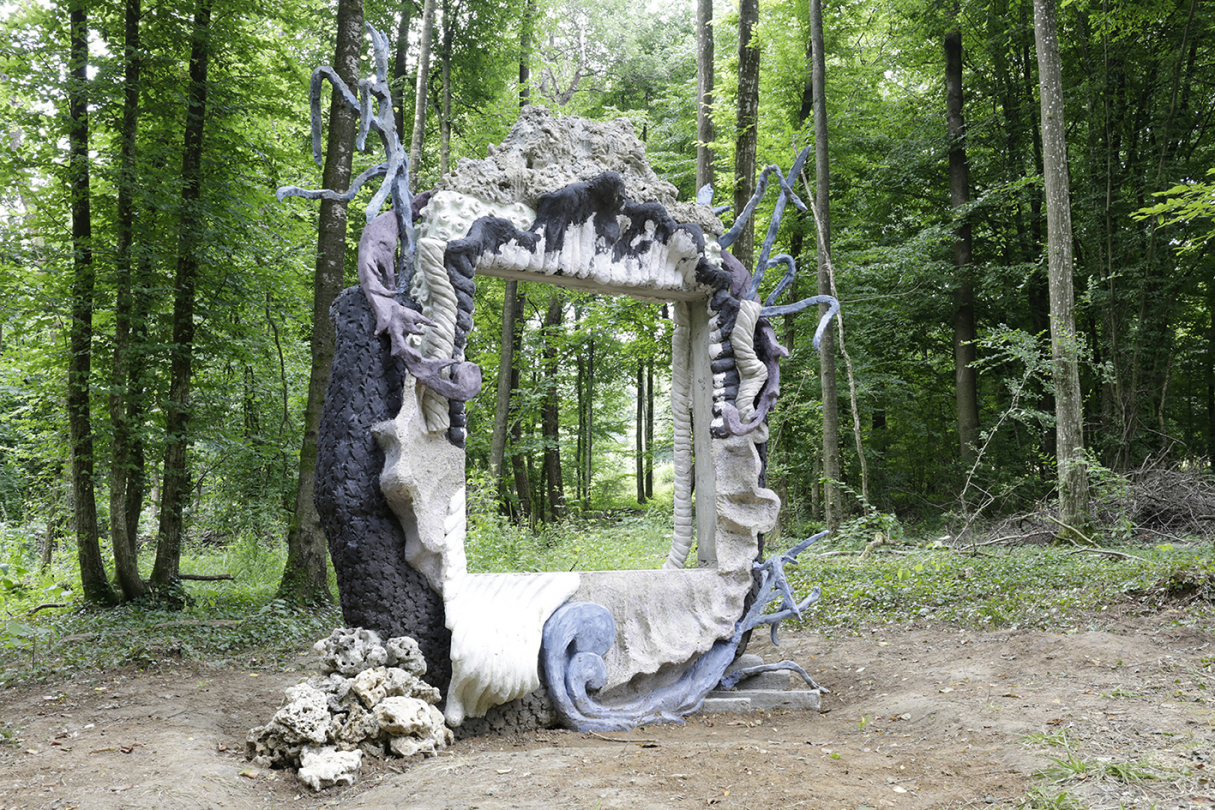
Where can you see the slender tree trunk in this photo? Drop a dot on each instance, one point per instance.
(704, 93)
(551, 415)
(580, 444)
(80, 425)
(966, 378)
(588, 473)
(419, 106)
(512, 302)
(649, 428)
(1069, 436)
(525, 52)
(305, 574)
(445, 117)
(176, 487)
(506, 355)
(832, 501)
(400, 67)
(1211, 373)
(639, 426)
(520, 465)
(746, 125)
(122, 530)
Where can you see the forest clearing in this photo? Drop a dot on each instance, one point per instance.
(1011, 678)
(1008, 433)
(918, 717)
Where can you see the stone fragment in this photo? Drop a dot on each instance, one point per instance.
(405, 653)
(351, 729)
(349, 651)
(413, 726)
(327, 766)
(369, 685)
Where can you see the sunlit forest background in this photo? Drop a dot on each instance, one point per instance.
(94, 322)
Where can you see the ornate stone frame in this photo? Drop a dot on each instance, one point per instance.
(616, 648)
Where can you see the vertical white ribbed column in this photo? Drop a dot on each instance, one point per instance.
(681, 416)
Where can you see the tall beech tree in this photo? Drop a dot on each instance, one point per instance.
(832, 501)
(92, 569)
(966, 377)
(704, 93)
(746, 124)
(175, 487)
(551, 410)
(126, 462)
(422, 92)
(305, 572)
(1065, 347)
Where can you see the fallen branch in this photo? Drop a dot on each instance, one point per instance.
(1073, 530)
(206, 577)
(1107, 552)
(1162, 534)
(998, 540)
(618, 739)
(47, 605)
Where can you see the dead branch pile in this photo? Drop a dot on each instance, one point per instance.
(1172, 500)
(1156, 502)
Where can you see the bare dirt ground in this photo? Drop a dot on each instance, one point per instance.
(918, 717)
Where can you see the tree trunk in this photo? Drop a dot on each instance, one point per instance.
(419, 106)
(1073, 474)
(512, 308)
(176, 485)
(519, 460)
(832, 501)
(399, 66)
(305, 574)
(123, 488)
(746, 125)
(1211, 373)
(704, 93)
(506, 355)
(649, 428)
(80, 425)
(525, 52)
(588, 472)
(551, 415)
(639, 443)
(966, 378)
(445, 114)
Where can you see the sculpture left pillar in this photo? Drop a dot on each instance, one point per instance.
(379, 590)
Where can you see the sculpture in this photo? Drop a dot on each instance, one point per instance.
(558, 202)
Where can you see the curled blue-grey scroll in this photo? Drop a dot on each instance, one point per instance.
(578, 634)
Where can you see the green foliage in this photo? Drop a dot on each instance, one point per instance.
(616, 539)
(230, 621)
(1032, 587)
(1183, 204)
(1041, 799)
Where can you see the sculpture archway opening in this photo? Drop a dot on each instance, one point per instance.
(608, 359)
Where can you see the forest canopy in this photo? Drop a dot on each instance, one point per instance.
(158, 339)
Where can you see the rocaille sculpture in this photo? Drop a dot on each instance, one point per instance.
(573, 203)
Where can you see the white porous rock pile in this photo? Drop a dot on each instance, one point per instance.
(367, 699)
(546, 152)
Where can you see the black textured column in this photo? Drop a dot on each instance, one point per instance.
(379, 590)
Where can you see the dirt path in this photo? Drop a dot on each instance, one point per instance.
(918, 718)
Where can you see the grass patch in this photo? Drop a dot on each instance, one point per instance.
(237, 621)
(241, 621)
(1043, 587)
(614, 539)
